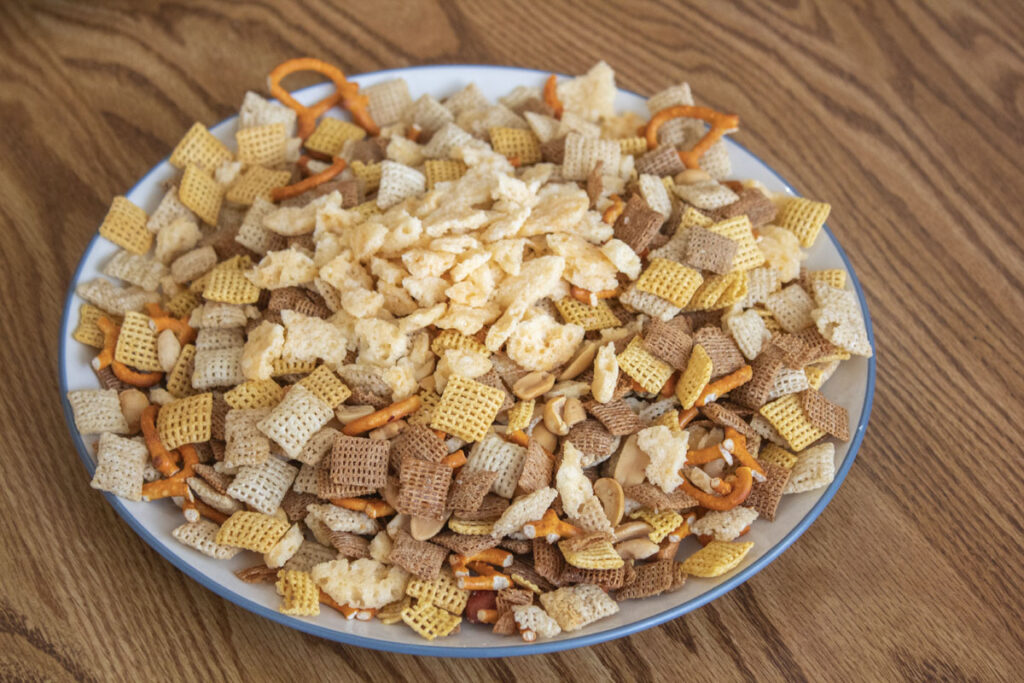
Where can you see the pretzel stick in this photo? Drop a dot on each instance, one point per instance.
(162, 459)
(382, 416)
(612, 213)
(211, 514)
(724, 385)
(686, 417)
(371, 507)
(719, 124)
(551, 96)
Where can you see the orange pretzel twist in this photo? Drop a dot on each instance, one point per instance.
(162, 320)
(347, 95)
(176, 484)
(719, 124)
(738, 494)
(550, 528)
(739, 450)
(295, 189)
(371, 507)
(551, 96)
(382, 416)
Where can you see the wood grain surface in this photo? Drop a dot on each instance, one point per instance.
(905, 116)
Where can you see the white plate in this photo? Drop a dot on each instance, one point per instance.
(852, 387)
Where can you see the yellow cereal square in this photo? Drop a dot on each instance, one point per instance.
(588, 317)
(467, 408)
(694, 378)
(185, 421)
(179, 379)
(442, 171)
(326, 386)
(740, 231)
(595, 556)
(254, 183)
(471, 527)
(201, 193)
(262, 145)
(692, 216)
(425, 413)
(833, 277)
(125, 226)
(87, 331)
(429, 621)
(366, 209)
(648, 371)
(257, 393)
(516, 143)
(716, 558)
(200, 148)
(520, 414)
(815, 376)
(331, 134)
(136, 343)
(281, 367)
(229, 285)
(670, 280)
(663, 523)
(720, 291)
(442, 592)
(787, 416)
(368, 173)
(776, 455)
(253, 531)
(804, 218)
(391, 613)
(183, 303)
(300, 596)
(453, 339)
(636, 146)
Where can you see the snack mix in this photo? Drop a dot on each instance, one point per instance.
(459, 359)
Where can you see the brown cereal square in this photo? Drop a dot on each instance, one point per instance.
(652, 578)
(663, 161)
(548, 561)
(637, 223)
(423, 488)
(669, 341)
(358, 464)
(420, 558)
(752, 202)
(725, 355)
(830, 417)
(616, 416)
(537, 467)
(417, 441)
(765, 368)
(765, 495)
(706, 250)
(469, 489)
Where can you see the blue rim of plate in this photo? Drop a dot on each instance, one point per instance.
(539, 647)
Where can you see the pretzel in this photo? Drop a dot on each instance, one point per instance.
(682, 531)
(349, 612)
(455, 460)
(585, 296)
(612, 213)
(110, 330)
(686, 417)
(702, 456)
(724, 385)
(486, 616)
(176, 484)
(739, 449)
(719, 124)
(518, 437)
(161, 320)
(134, 377)
(668, 390)
(494, 582)
(347, 94)
(551, 96)
(208, 512)
(371, 507)
(413, 132)
(164, 462)
(495, 556)
(738, 494)
(458, 563)
(382, 416)
(550, 528)
(295, 189)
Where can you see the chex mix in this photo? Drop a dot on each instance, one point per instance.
(462, 360)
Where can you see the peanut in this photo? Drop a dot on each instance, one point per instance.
(133, 402)
(637, 549)
(573, 413)
(692, 176)
(606, 374)
(553, 416)
(533, 385)
(168, 348)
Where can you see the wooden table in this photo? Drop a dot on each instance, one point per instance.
(905, 117)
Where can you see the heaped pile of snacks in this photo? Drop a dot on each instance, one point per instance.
(461, 359)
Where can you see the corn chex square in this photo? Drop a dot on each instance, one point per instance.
(719, 291)
(467, 409)
(588, 317)
(201, 193)
(442, 592)
(258, 393)
(87, 331)
(253, 531)
(256, 182)
(804, 218)
(264, 145)
(516, 143)
(200, 148)
(442, 171)
(428, 621)
(644, 368)
(695, 377)
(185, 421)
(298, 416)
(670, 280)
(574, 607)
(716, 558)
(370, 175)
(179, 379)
(326, 386)
(300, 596)
(662, 523)
(788, 418)
(125, 226)
(136, 343)
(331, 134)
(774, 454)
(634, 145)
